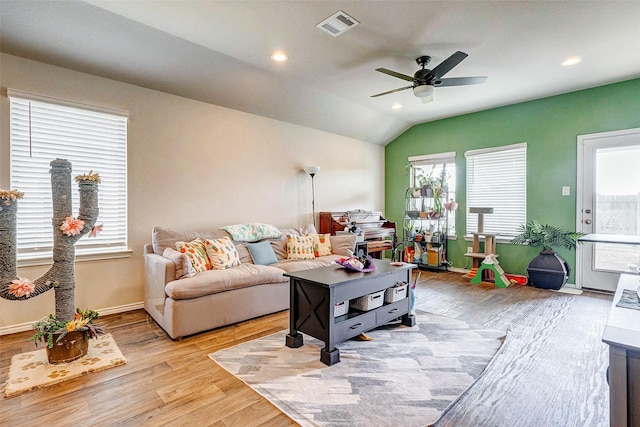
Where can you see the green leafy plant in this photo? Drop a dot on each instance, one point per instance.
(82, 321)
(546, 236)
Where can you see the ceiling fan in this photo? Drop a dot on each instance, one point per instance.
(425, 81)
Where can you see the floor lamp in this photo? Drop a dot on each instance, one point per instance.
(312, 171)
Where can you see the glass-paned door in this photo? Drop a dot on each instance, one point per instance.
(609, 204)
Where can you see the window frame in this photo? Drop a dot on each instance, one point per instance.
(43, 128)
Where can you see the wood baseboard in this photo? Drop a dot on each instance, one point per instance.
(21, 327)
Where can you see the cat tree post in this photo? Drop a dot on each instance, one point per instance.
(60, 275)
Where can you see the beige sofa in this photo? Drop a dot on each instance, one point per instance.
(184, 305)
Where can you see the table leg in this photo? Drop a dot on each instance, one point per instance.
(294, 340)
(329, 357)
(409, 320)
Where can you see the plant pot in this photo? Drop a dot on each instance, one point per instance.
(413, 214)
(71, 347)
(426, 191)
(548, 271)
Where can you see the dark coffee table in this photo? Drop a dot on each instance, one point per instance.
(314, 294)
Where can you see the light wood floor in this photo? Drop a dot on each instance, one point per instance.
(169, 382)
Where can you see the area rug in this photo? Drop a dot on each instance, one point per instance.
(30, 371)
(405, 376)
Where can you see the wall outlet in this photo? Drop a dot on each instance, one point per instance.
(469, 249)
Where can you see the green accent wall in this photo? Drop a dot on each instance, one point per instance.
(549, 126)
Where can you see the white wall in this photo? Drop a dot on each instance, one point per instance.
(192, 165)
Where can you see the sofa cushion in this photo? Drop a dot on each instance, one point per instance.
(279, 247)
(344, 245)
(321, 244)
(215, 281)
(184, 268)
(251, 232)
(196, 252)
(262, 253)
(300, 247)
(222, 253)
(163, 238)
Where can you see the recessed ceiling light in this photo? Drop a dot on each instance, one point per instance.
(396, 106)
(572, 60)
(279, 57)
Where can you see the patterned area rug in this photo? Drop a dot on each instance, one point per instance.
(30, 371)
(405, 376)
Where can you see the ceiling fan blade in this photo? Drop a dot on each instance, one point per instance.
(395, 74)
(445, 66)
(391, 91)
(460, 81)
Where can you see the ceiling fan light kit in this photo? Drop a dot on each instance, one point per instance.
(424, 91)
(425, 80)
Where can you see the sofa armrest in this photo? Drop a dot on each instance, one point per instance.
(344, 244)
(158, 271)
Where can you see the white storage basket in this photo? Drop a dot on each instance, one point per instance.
(368, 302)
(341, 308)
(396, 293)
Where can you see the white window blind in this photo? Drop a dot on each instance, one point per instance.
(497, 178)
(90, 140)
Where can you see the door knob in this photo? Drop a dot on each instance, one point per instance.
(587, 221)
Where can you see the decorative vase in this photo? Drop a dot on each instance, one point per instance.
(71, 347)
(548, 271)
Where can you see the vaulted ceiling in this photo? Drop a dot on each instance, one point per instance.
(219, 52)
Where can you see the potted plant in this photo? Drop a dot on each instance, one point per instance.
(57, 333)
(67, 330)
(548, 270)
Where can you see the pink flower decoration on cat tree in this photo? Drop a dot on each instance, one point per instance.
(72, 226)
(21, 287)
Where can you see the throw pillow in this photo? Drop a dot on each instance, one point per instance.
(321, 244)
(240, 232)
(252, 232)
(262, 253)
(222, 253)
(197, 254)
(300, 247)
(184, 268)
(265, 231)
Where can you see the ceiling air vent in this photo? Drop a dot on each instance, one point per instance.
(337, 23)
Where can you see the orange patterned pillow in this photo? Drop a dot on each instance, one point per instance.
(196, 252)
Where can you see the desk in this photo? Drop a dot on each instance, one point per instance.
(373, 247)
(622, 333)
(610, 238)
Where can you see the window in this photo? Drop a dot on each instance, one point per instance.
(442, 165)
(497, 178)
(43, 130)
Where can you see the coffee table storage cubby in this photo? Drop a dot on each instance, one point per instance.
(315, 293)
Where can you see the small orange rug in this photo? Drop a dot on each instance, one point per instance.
(30, 371)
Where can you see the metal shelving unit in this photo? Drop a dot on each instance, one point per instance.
(425, 228)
